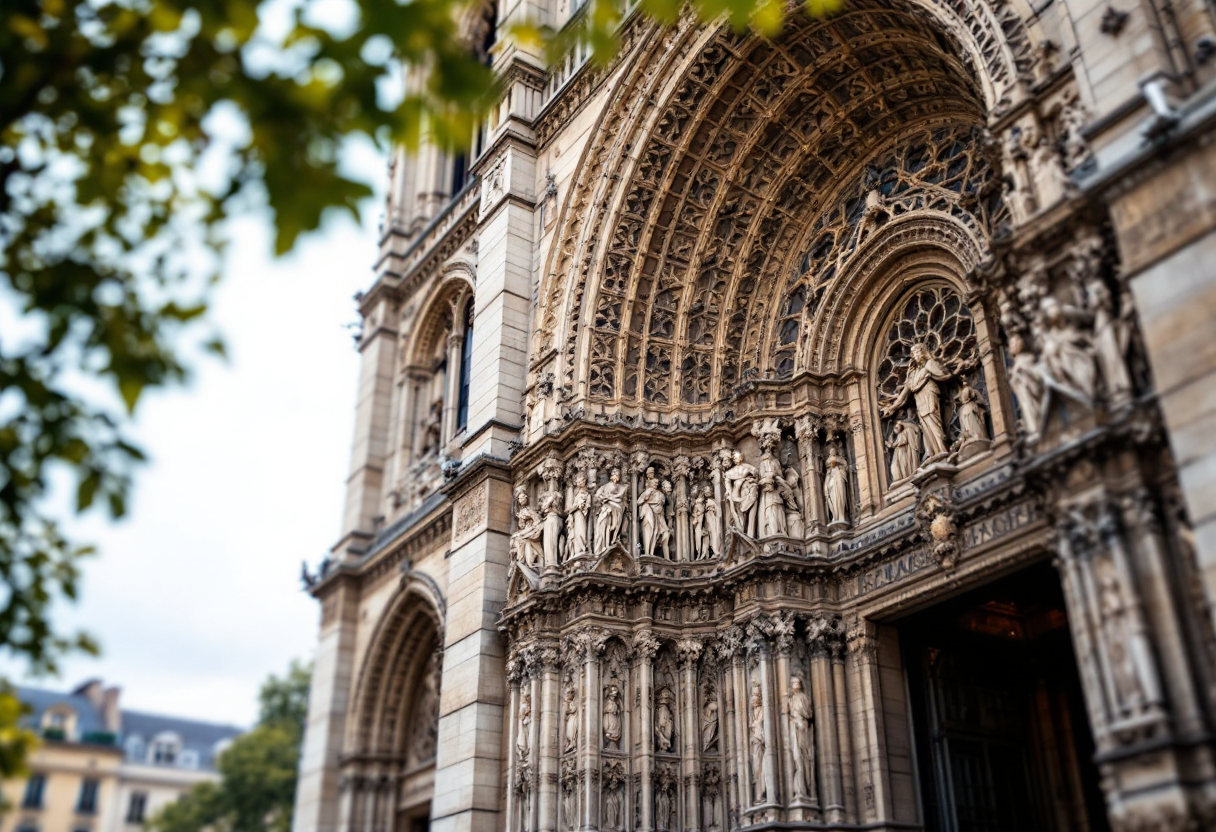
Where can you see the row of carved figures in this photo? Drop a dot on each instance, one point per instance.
(688, 520)
(745, 699)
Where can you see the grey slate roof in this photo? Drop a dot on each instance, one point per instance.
(197, 736)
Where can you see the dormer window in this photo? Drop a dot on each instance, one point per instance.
(165, 750)
(59, 723)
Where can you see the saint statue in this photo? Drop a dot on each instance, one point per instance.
(526, 541)
(970, 416)
(698, 524)
(742, 493)
(612, 805)
(525, 725)
(1111, 337)
(836, 487)
(551, 506)
(611, 499)
(713, 524)
(801, 748)
(650, 512)
(756, 743)
(1026, 380)
(709, 723)
(576, 519)
(905, 450)
(791, 499)
(772, 509)
(924, 371)
(612, 716)
(1067, 358)
(664, 722)
(571, 720)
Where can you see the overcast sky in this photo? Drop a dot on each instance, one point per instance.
(195, 596)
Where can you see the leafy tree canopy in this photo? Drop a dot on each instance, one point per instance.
(258, 770)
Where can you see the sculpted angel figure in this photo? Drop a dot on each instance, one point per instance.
(576, 519)
(526, 541)
(905, 450)
(612, 715)
(742, 494)
(611, 499)
(970, 415)
(836, 487)
(571, 725)
(920, 383)
(713, 524)
(801, 717)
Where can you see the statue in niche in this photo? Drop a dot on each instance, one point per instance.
(526, 540)
(612, 716)
(611, 498)
(709, 722)
(711, 788)
(1050, 180)
(756, 744)
(1117, 631)
(1111, 339)
(713, 523)
(652, 517)
(571, 720)
(924, 372)
(551, 504)
(614, 779)
(576, 519)
(570, 794)
(698, 524)
(664, 803)
(1068, 363)
(791, 500)
(802, 715)
(664, 721)
(1019, 192)
(905, 450)
(1072, 125)
(525, 725)
(742, 493)
(1026, 381)
(970, 416)
(836, 487)
(772, 509)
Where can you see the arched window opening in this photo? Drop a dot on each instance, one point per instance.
(466, 369)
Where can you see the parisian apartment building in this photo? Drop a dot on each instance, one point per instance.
(807, 432)
(101, 768)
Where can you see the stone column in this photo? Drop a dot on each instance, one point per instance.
(514, 675)
(759, 647)
(451, 392)
(868, 743)
(841, 705)
(806, 429)
(688, 651)
(681, 468)
(732, 648)
(784, 644)
(645, 645)
(827, 757)
(592, 644)
(547, 749)
(1076, 599)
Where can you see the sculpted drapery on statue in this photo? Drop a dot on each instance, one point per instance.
(802, 716)
(742, 494)
(611, 499)
(757, 744)
(577, 518)
(526, 540)
(924, 371)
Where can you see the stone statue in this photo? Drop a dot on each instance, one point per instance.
(1026, 381)
(756, 744)
(698, 524)
(666, 520)
(612, 804)
(905, 450)
(970, 416)
(611, 498)
(1111, 338)
(434, 428)
(709, 723)
(836, 488)
(924, 371)
(551, 504)
(526, 540)
(525, 725)
(1068, 362)
(664, 721)
(576, 519)
(801, 747)
(1117, 641)
(742, 493)
(713, 524)
(650, 513)
(772, 509)
(1046, 168)
(791, 499)
(1072, 125)
(571, 720)
(612, 715)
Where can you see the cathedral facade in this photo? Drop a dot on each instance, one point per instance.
(810, 432)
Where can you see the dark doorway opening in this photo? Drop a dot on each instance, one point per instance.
(1003, 742)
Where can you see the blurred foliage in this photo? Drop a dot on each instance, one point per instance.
(16, 740)
(258, 771)
(130, 130)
